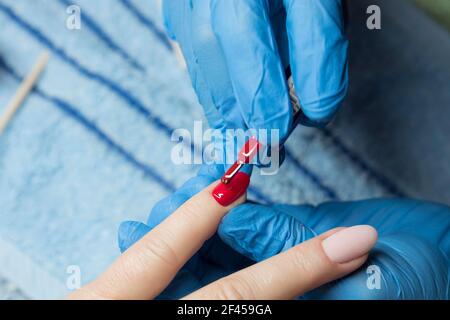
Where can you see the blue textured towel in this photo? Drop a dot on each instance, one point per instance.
(91, 145)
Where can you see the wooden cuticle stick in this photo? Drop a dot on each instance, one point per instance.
(24, 89)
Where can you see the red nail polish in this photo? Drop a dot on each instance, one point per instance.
(245, 156)
(234, 183)
(249, 150)
(226, 194)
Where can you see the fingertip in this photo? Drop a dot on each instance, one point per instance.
(349, 244)
(373, 233)
(231, 194)
(322, 110)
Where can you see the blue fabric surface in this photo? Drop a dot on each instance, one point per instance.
(91, 145)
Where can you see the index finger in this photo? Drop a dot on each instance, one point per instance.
(300, 269)
(146, 268)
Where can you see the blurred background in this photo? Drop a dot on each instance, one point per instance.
(90, 147)
(437, 9)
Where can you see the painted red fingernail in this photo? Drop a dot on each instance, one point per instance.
(249, 150)
(226, 194)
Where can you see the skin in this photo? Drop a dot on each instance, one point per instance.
(148, 267)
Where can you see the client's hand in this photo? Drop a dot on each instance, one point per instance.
(148, 267)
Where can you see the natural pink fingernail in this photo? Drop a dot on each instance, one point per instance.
(350, 243)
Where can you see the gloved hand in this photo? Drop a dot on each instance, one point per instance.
(411, 258)
(412, 254)
(237, 52)
(213, 261)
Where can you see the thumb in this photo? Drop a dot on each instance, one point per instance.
(260, 232)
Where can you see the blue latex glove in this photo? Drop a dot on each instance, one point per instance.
(237, 52)
(412, 252)
(214, 260)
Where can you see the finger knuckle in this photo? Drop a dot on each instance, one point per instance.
(234, 288)
(304, 262)
(160, 251)
(192, 210)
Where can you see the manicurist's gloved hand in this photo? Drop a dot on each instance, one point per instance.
(410, 260)
(237, 53)
(151, 264)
